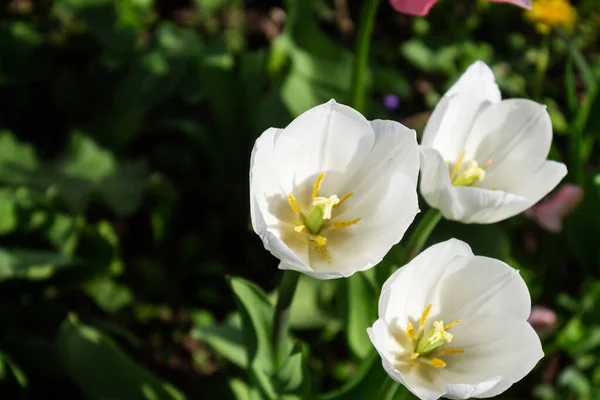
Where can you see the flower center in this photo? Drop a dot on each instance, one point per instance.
(427, 345)
(467, 173)
(317, 221)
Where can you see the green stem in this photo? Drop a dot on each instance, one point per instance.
(421, 233)
(388, 390)
(363, 45)
(587, 75)
(285, 295)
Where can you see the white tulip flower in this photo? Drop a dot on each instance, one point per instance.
(484, 159)
(455, 325)
(332, 192)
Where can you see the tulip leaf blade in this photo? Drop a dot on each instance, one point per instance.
(102, 370)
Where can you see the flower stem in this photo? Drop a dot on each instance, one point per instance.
(388, 390)
(421, 233)
(363, 45)
(285, 295)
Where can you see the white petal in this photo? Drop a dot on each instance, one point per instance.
(330, 138)
(413, 287)
(455, 114)
(466, 391)
(493, 347)
(395, 150)
(386, 211)
(479, 81)
(515, 135)
(484, 286)
(386, 346)
(465, 204)
(533, 185)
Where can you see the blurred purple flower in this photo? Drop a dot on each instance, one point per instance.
(391, 102)
(421, 7)
(543, 320)
(550, 212)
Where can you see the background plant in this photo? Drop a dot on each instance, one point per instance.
(126, 129)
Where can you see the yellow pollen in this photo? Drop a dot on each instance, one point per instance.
(440, 333)
(425, 314)
(486, 164)
(321, 241)
(448, 352)
(343, 199)
(451, 324)
(293, 203)
(457, 166)
(345, 224)
(414, 356)
(300, 228)
(437, 363)
(410, 332)
(317, 186)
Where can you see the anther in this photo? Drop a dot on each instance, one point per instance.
(437, 363)
(448, 352)
(300, 228)
(425, 314)
(293, 203)
(317, 186)
(345, 224)
(451, 324)
(343, 199)
(410, 332)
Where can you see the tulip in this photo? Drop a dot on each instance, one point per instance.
(422, 7)
(484, 159)
(332, 192)
(454, 324)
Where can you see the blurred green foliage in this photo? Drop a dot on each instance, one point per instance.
(125, 133)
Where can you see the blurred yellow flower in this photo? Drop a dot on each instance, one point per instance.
(549, 14)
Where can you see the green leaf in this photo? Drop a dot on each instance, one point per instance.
(226, 339)
(320, 69)
(30, 264)
(293, 376)
(109, 295)
(360, 311)
(10, 373)
(257, 319)
(101, 369)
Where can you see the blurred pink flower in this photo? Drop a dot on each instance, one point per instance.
(421, 7)
(543, 320)
(550, 212)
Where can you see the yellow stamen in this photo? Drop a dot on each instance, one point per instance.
(321, 240)
(317, 186)
(414, 356)
(410, 332)
(451, 324)
(343, 199)
(448, 352)
(486, 164)
(293, 203)
(457, 166)
(300, 228)
(425, 314)
(345, 224)
(437, 363)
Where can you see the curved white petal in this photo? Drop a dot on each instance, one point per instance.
(416, 285)
(454, 115)
(395, 150)
(484, 286)
(331, 138)
(494, 347)
(515, 135)
(466, 391)
(362, 246)
(464, 204)
(533, 185)
(478, 81)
